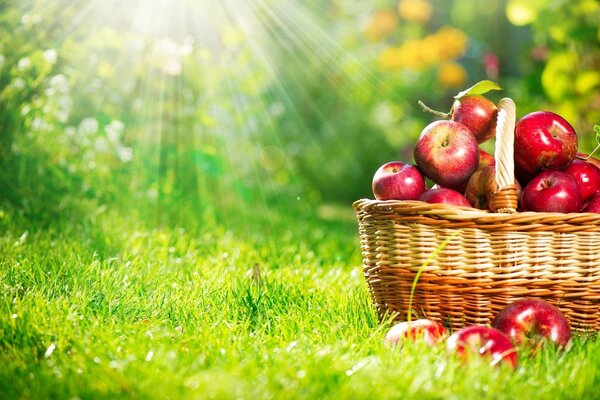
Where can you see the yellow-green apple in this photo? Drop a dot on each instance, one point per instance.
(432, 332)
(552, 191)
(532, 322)
(447, 153)
(397, 180)
(478, 341)
(543, 141)
(446, 196)
(477, 113)
(587, 176)
(482, 185)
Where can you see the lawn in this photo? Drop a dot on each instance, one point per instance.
(110, 307)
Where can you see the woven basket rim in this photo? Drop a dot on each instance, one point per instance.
(468, 214)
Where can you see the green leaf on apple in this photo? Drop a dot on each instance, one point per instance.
(481, 87)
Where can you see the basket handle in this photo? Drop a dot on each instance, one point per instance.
(505, 200)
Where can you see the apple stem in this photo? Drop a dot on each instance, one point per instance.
(428, 109)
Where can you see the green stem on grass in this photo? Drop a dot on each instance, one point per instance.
(420, 271)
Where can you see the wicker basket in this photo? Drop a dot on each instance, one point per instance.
(471, 262)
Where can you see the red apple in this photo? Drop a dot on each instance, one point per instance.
(587, 176)
(485, 159)
(482, 185)
(593, 206)
(588, 158)
(481, 341)
(447, 153)
(532, 322)
(431, 331)
(396, 180)
(446, 196)
(477, 113)
(552, 191)
(543, 141)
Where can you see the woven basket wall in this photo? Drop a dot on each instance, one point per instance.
(474, 262)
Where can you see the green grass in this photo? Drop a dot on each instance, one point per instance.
(113, 308)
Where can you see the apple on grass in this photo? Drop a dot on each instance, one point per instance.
(447, 153)
(478, 341)
(430, 331)
(397, 180)
(532, 322)
(552, 191)
(445, 196)
(543, 141)
(481, 187)
(587, 176)
(477, 113)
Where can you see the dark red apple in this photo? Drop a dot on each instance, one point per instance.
(552, 191)
(397, 180)
(587, 176)
(477, 113)
(593, 206)
(430, 331)
(543, 141)
(481, 186)
(531, 322)
(446, 196)
(478, 341)
(447, 153)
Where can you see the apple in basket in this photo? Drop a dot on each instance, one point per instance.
(593, 206)
(482, 185)
(397, 180)
(552, 191)
(430, 331)
(446, 196)
(478, 341)
(477, 113)
(485, 159)
(587, 176)
(543, 141)
(532, 322)
(447, 152)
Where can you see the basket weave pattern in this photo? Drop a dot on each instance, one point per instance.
(490, 258)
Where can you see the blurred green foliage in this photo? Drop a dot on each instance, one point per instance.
(261, 106)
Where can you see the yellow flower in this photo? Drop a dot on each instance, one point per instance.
(381, 25)
(391, 58)
(415, 10)
(452, 42)
(452, 74)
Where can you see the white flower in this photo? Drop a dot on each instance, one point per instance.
(23, 63)
(50, 55)
(125, 154)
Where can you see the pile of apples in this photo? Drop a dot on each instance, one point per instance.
(550, 174)
(528, 324)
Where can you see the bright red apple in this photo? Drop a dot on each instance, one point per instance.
(587, 176)
(543, 141)
(477, 113)
(531, 322)
(593, 206)
(430, 331)
(552, 191)
(446, 196)
(482, 185)
(447, 153)
(397, 180)
(481, 341)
